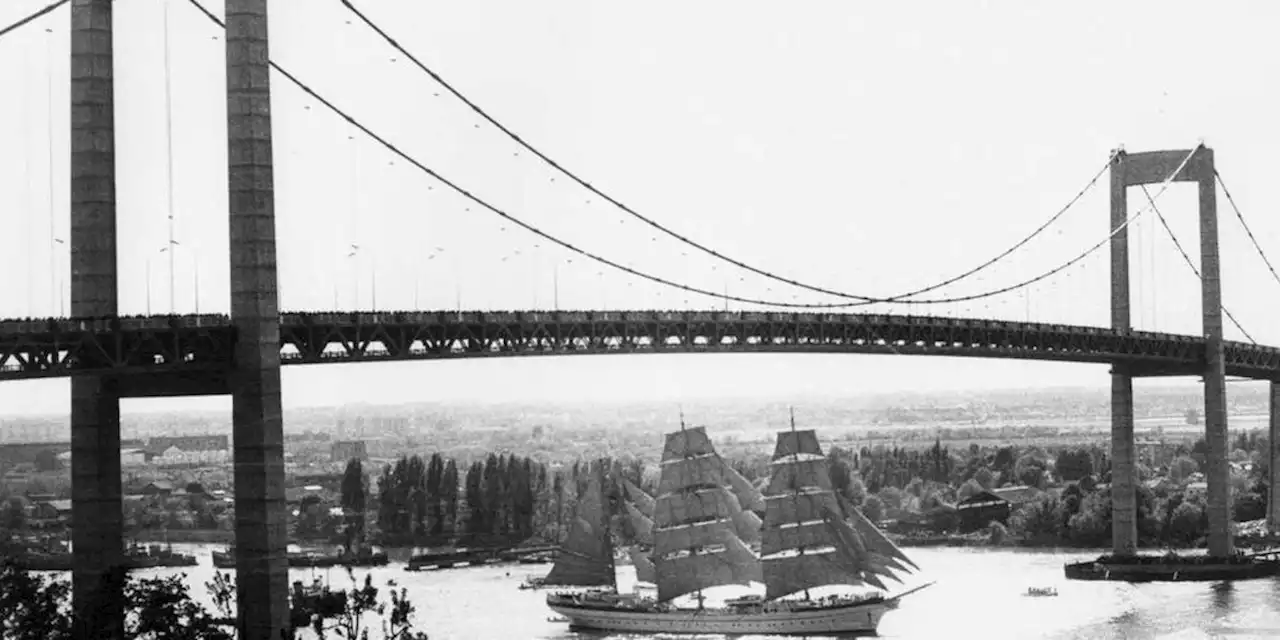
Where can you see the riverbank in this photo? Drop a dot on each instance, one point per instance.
(186, 536)
(986, 540)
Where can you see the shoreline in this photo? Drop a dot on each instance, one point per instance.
(184, 536)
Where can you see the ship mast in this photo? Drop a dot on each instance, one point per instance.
(605, 521)
(698, 595)
(696, 540)
(795, 487)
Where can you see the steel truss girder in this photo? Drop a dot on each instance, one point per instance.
(117, 346)
(191, 344)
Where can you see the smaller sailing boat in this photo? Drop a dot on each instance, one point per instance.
(586, 557)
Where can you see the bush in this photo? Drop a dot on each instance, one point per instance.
(873, 508)
(1188, 522)
(1039, 519)
(997, 532)
(38, 608)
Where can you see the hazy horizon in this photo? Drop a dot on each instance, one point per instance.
(631, 379)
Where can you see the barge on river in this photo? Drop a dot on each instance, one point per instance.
(1175, 568)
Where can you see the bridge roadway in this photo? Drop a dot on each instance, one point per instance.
(191, 355)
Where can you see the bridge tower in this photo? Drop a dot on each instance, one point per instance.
(1273, 481)
(1129, 170)
(97, 511)
(262, 535)
(254, 384)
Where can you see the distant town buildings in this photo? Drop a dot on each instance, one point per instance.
(128, 458)
(31, 452)
(15, 431)
(348, 449)
(157, 487)
(160, 444)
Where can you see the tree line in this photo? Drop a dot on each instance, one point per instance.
(507, 498)
(498, 500)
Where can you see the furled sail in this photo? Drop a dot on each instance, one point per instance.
(799, 547)
(696, 516)
(586, 557)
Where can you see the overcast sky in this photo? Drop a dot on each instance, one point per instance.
(868, 147)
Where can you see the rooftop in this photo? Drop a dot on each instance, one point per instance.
(1018, 494)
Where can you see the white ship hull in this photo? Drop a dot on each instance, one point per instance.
(853, 618)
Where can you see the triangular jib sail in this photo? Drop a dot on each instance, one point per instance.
(805, 540)
(586, 557)
(697, 542)
(637, 496)
(645, 571)
(641, 525)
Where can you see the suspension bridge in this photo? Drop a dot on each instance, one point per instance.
(109, 355)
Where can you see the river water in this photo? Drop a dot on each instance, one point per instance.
(978, 594)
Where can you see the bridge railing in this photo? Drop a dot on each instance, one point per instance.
(54, 346)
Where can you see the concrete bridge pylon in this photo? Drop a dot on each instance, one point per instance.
(254, 383)
(1152, 168)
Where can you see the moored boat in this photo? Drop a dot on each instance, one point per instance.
(362, 557)
(1041, 592)
(44, 561)
(536, 558)
(154, 555)
(316, 599)
(225, 559)
(453, 558)
(806, 542)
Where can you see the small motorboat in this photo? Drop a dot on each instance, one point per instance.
(557, 619)
(1041, 592)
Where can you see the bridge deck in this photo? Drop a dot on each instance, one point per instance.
(198, 346)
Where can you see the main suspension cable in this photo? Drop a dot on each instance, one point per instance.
(899, 298)
(19, 24)
(1247, 230)
(657, 279)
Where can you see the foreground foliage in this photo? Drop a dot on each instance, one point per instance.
(35, 607)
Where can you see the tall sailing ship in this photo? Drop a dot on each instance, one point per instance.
(807, 541)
